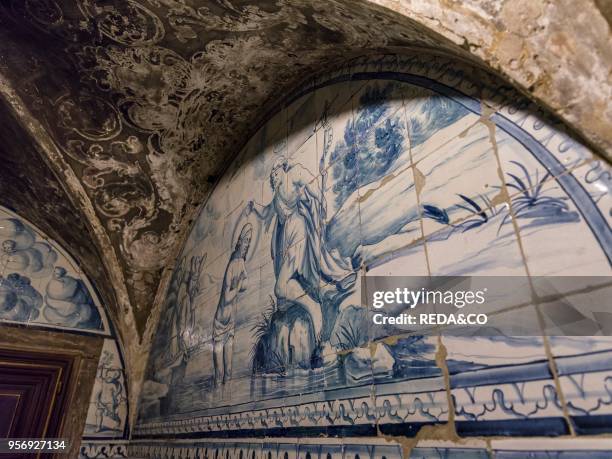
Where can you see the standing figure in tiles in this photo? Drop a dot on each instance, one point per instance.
(307, 272)
(234, 283)
(110, 396)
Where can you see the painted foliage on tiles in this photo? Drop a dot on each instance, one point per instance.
(363, 176)
(39, 283)
(107, 412)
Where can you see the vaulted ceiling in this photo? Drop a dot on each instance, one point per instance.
(145, 102)
(120, 114)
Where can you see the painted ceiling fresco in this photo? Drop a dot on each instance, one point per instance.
(29, 187)
(145, 100)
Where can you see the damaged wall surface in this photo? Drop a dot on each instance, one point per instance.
(411, 166)
(132, 109)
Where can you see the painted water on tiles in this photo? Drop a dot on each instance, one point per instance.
(380, 174)
(40, 284)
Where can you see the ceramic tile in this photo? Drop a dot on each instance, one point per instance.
(309, 451)
(481, 251)
(583, 365)
(382, 236)
(387, 451)
(491, 390)
(333, 141)
(407, 358)
(461, 184)
(348, 155)
(377, 97)
(436, 136)
(339, 413)
(545, 448)
(332, 451)
(407, 410)
(249, 301)
(210, 234)
(114, 449)
(596, 178)
(403, 261)
(550, 134)
(587, 397)
(429, 449)
(108, 407)
(471, 354)
(524, 172)
(302, 122)
(334, 111)
(307, 156)
(581, 314)
(525, 408)
(343, 225)
(540, 226)
(34, 272)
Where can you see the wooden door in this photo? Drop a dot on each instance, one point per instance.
(33, 394)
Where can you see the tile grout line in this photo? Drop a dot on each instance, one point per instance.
(485, 119)
(441, 352)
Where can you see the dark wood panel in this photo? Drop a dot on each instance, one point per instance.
(31, 345)
(9, 406)
(37, 381)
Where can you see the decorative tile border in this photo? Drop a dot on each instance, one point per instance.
(356, 448)
(104, 449)
(399, 406)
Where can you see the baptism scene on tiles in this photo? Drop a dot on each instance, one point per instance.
(383, 177)
(39, 284)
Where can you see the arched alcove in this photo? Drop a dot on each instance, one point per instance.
(45, 296)
(122, 118)
(405, 165)
(139, 105)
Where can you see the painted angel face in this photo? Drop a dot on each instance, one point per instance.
(8, 246)
(58, 272)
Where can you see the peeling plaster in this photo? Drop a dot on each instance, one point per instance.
(138, 106)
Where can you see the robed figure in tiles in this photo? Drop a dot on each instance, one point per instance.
(307, 272)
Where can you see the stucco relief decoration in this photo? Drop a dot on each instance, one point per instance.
(186, 21)
(73, 115)
(45, 12)
(101, 143)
